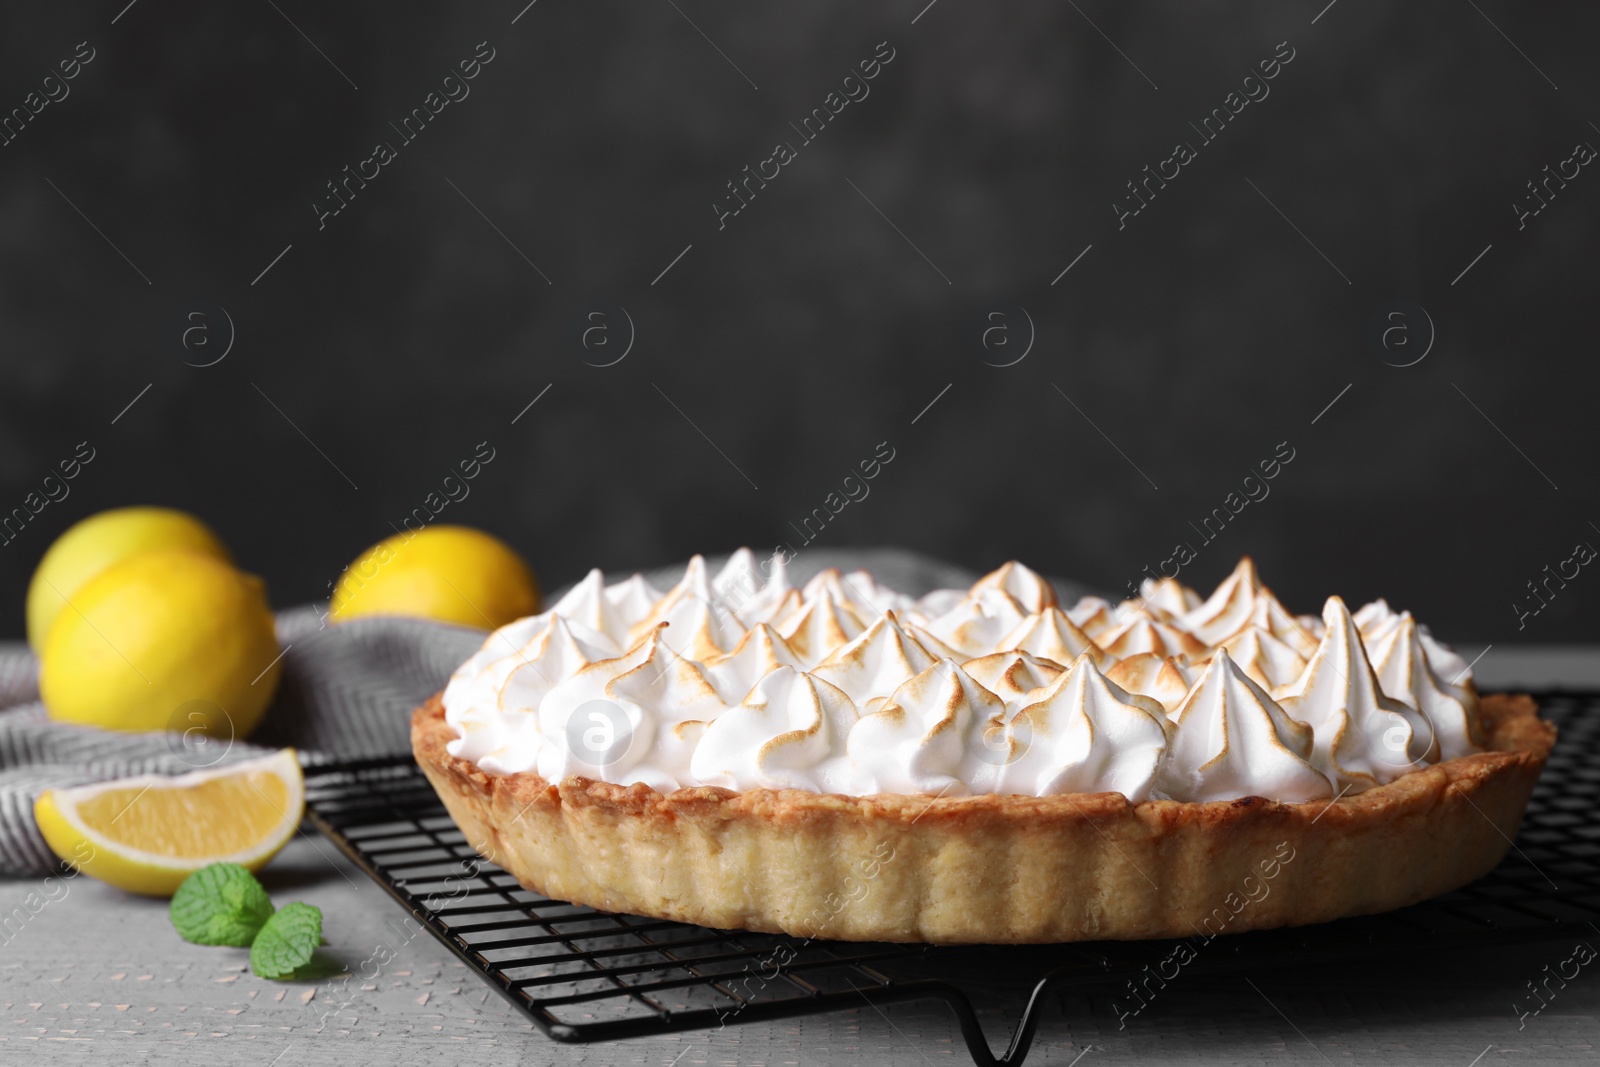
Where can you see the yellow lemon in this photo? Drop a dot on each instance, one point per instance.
(99, 541)
(450, 573)
(163, 640)
(147, 834)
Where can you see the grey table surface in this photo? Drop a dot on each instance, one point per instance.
(97, 975)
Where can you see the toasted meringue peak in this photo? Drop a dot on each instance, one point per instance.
(632, 599)
(821, 625)
(1051, 634)
(698, 628)
(485, 732)
(1225, 612)
(1363, 737)
(1166, 680)
(592, 679)
(752, 591)
(1170, 595)
(1404, 672)
(1377, 620)
(1271, 616)
(975, 626)
(622, 720)
(931, 736)
(625, 684)
(1143, 632)
(933, 605)
(502, 740)
(1241, 601)
(789, 732)
(587, 603)
(875, 663)
(1231, 607)
(787, 607)
(696, 580)
(866, 597)
(738, 577)
(1268, 661)
(1094, 616)
(773, 598)
(827, 580)
(695, 584)
(1030, 589)
(1013, 676)
(936, 648)
(872, 599)
(555, 656)
(759, 652)
(479, 679)
(1233, 741)
(1086, 734)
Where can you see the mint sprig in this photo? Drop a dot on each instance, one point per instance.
(287, 941)
(222, 904)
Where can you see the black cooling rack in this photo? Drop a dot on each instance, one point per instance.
(583, 975)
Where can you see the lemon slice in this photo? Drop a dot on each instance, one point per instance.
(147, 834)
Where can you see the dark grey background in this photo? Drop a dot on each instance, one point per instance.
(809, 330)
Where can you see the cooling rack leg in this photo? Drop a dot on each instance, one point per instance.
(971, 1029)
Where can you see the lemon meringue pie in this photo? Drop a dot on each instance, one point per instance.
(837, 759)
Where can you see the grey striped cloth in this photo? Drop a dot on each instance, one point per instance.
(347, 691)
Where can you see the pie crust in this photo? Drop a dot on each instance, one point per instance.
(996, 869)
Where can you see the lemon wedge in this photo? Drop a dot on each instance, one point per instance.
(147, 834)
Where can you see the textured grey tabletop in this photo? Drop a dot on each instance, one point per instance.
(96, 975)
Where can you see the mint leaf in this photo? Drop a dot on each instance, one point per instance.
(287, 941)
(221, 904)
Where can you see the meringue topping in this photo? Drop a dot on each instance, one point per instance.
(632, 599)
(1165, 680)
(1267, 660)
(759, 652)
(1086, 734)
(1232, 740)
(1363, 737)
(1227, 610)
(933, 736)
(586, 603)
(936, 648)
(1241, 601)
(876, 663)
(557, 655)
(1406, 673)
(819, 627)
(1143, 632)
(1093, 616)
(741, 680)
(1026, 587)
(1377, 619)
(977, 624)
(1015, 677)
(1169, 595)
(1052, 635)
(788, 733)
(633, 718)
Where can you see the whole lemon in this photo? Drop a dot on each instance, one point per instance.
(163, 640)
(449, 573)
(95, 543)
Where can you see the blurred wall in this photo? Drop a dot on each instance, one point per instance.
(909, 243)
